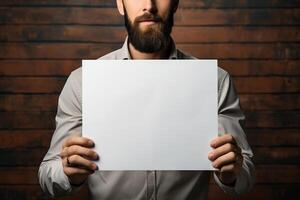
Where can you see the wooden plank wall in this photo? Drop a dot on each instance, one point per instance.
(42, 41)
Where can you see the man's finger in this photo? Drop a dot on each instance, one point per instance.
(79, 150)
(222, 150)
(226, 159)
(78, 140)
(228, 168)
(221, 140)
(80, 162)
(70, 171)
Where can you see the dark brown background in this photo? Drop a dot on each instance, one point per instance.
(42, 41)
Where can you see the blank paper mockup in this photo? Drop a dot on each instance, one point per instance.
(150, 114)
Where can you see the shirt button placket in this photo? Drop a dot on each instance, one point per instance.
(151, 185)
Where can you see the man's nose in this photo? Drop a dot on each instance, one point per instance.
(150, 6)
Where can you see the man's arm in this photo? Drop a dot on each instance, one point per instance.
(230, 120)
(52, 177)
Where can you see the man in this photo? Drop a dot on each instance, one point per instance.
(69, 162)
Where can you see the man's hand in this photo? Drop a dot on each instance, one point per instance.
(226, 157)
(77, 157)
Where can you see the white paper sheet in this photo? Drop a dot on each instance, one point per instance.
(150, 114)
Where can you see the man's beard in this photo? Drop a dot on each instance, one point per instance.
(154, 38)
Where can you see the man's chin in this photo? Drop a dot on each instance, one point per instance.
(145, 29)
(149, 33)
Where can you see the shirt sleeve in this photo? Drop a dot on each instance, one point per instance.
(68, 120)
(230, 120)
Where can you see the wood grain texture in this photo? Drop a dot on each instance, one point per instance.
(183, 4)
(261, 191)
(257, 42)
(40, 138)
(244, 85)
(64, 67)
(45, 119)
(48, 102)
(34, 192)
(116, 34)
(75, 50)
(184, 17)
(265, 175)
(263, 156)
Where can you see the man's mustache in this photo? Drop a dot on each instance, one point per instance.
(148, 17)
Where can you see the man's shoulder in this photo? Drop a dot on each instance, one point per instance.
(182, 55)
(221, 72)
(112, 55)
(76, 74)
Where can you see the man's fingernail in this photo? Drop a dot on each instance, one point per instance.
(95, 167)
(91, 142)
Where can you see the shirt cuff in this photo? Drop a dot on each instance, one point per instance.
(241, 184)
(76, 187)
(63, 180)
(226, 188)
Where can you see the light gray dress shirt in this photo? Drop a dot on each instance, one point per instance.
(134, 185)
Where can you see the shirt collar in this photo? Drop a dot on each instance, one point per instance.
(125, 55)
